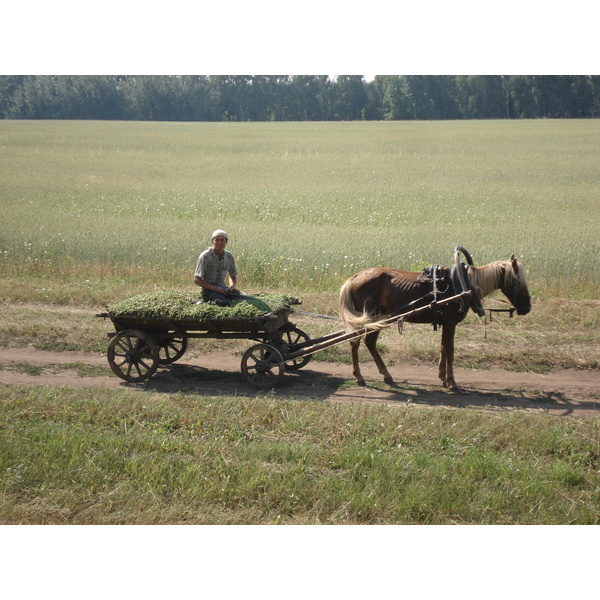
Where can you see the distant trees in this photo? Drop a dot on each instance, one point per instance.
(298, 97)
(65, 97)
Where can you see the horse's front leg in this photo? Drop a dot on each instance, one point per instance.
(442, 364)
(371, 343)
(446, 365)
(354, 344)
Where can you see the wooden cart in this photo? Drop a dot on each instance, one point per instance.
(140, 345)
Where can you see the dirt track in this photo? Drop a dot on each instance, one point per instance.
(559, 393)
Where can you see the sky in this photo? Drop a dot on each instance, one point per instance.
(313, 37)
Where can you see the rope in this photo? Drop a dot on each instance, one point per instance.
(303, 312)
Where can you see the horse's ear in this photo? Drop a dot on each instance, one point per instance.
(515, 265)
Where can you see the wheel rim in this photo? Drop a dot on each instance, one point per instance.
(172, 350)
(133, 355)
(263, 366)
(293, 339)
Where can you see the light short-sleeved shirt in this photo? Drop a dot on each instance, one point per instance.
(213, 269)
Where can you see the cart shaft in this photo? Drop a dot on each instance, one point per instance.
(339, 337)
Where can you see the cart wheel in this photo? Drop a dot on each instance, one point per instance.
(263, 366)
(172, 349)
(293, 338)
(133, 355)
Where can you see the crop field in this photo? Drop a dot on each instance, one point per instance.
(94, 213)
(305, 204)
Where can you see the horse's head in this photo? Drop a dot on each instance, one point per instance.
(514, 286)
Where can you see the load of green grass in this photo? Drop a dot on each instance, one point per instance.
(177, 304)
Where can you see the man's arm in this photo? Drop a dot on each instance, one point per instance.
(207, 286)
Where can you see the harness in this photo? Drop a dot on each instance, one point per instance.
(441, 283)
(450, 283)
(444, 283)
(460, 279)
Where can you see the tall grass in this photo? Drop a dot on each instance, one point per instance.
(306, 204)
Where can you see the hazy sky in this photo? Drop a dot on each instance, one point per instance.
(312, 37)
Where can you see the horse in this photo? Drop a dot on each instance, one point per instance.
(371, 295)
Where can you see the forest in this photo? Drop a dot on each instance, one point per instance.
(298, 97)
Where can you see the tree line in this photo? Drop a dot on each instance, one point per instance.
(298, 97)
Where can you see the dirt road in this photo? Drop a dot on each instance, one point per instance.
(559, 393)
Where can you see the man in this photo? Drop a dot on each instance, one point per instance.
(211, 269)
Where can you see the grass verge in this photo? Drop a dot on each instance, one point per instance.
(105, 457)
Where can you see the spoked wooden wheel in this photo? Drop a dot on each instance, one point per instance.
(263, 366)
(293, 339)
(172, 349)
(133, 355)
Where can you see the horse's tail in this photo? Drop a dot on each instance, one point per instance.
(352, 318)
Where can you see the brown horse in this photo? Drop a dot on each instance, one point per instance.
(373, 294)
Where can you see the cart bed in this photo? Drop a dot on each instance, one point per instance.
(267, 323)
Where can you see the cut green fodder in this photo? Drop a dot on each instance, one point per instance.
(174, 304)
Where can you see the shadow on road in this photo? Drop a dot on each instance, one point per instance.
(308, 384)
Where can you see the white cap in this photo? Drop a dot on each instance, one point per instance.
(219, 232)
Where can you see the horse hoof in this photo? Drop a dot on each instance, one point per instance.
(389, 380)
(361, 382)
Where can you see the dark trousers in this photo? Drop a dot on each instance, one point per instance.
(223, 299)
(216, 298)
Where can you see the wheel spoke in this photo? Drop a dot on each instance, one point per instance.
(141, 362)
(123, 346)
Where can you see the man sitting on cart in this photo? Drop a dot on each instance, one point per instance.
(213, 265)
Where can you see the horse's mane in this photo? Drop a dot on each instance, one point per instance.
(488, 278)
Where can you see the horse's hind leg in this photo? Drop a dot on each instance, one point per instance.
(354, 344)
(371, 343)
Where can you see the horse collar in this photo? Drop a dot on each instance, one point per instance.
(457, 281)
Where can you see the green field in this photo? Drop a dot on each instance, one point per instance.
(96, 212)
(115, 457)
(306, 204)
